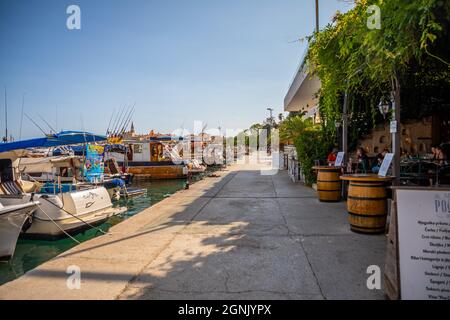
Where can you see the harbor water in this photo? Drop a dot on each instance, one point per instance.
(31, 253)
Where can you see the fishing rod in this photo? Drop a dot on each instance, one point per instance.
(114, 122)
(122, 122)
(128, 119)
(29, 118)
(116, 132)
(110, 120)
(118, 121)
(45, 121)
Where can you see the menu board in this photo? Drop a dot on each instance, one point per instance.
(386, 164)
(339, 159)
(424, 243)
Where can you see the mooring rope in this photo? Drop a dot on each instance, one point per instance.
(78, 218)
(57, 225)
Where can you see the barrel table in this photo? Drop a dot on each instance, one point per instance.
(367, 202)
(329, 186)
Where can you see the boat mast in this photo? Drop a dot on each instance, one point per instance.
(56, 119)
(6, 118)
(21, 117)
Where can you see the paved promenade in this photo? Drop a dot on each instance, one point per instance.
(239, 236)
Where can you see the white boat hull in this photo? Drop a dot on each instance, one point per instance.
(70, 212)
(12, 219)
(46, 229)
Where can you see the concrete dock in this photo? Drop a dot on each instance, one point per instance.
(242, 235)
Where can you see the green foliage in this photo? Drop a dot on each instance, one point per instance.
(292, 127)
(410, 48)
(313, 144)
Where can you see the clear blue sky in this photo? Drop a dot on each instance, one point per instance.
(219, 61)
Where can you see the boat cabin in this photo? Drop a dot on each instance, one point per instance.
(66, 169)
(155, 150)
(10, 182)
(153, 158)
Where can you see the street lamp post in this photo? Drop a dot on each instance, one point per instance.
(317, 15)
(385, 108)
(271, 115)
(338, 125)
(345, 126)
(394, 130)
(271, 123)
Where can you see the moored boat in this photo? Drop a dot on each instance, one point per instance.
(63, 212)
(66, 213)
(153, 158)
(12, 220)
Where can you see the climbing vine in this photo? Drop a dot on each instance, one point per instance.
(411, 47)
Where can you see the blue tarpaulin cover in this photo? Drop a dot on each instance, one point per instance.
(53, 140)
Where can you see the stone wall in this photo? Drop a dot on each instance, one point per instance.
(416, 138)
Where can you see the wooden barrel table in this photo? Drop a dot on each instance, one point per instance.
(329, 186)
(367, 202)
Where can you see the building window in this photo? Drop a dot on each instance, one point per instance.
(137, 148)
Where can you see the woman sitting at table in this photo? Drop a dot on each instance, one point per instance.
(331, 159)
(363, 160)
(440, 156)
(440, 159)
(433, 152)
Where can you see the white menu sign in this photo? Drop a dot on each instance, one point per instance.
(424, 244)
(386, 164)
(339, 159)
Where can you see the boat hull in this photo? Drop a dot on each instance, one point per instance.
(12, 220)
(158, 172)
(47, 230)
(68, 213)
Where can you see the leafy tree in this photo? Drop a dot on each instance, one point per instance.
(410, 51)
(293, 127)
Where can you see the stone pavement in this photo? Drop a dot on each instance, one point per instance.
(240, 236)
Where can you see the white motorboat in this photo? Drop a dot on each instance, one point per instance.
(67, 213)
(68, 172)
(12, 220)
(59, 213)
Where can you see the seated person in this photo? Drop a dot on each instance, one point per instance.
(379, 160)
(363, 160)
(331, 159)
(441, 157)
